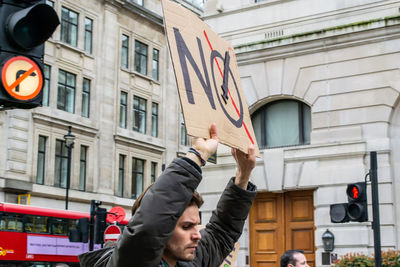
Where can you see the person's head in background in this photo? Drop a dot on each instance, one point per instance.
(294, 258)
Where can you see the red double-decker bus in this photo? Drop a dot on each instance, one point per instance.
(38, 237)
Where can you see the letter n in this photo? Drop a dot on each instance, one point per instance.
(184, 54)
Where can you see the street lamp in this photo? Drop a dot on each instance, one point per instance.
(328, 239)
(69, 143)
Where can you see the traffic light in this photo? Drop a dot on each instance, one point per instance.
(80, 233)
(356, 209)
(338, 213)
(100, 225)
(25, 25)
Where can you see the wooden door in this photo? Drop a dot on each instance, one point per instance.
(279, 222)
(299, 223)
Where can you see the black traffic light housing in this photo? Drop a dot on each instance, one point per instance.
(81, 231)
(338, 213)
(356, 209)
(25, 25)
(100, 225)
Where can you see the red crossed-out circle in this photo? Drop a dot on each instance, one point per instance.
(11, 86)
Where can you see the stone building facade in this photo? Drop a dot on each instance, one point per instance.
(107, 75)
(337, 60)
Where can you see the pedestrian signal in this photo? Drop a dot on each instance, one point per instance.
(356, 209)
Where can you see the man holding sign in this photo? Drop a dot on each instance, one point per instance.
(163, 230)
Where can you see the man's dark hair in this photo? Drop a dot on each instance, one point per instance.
(288, 257)
(196, 200)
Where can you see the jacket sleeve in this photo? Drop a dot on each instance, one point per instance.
(143, 240)
(226, 225)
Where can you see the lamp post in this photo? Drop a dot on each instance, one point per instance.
(69, 143)
(328, 239)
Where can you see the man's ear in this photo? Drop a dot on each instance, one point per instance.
(290, 265)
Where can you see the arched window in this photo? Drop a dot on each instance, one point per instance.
(282, 123)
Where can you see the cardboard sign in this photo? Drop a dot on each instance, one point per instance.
(230, 261)
(208, 79)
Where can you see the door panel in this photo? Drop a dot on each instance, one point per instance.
(279, 222)
(299, 222)
(266, 217)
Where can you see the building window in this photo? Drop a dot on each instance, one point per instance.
(85, 98)
(154, 119)
(66, 91)
(46, 85)
(61, 164)
(139, 114)
(88, 35)
(69, 26)
(153, 171)
(137, 177)
(141, 57)
(140, 2)
(83, 168)
(155, 66)
(123, 109)
(184, 136)
(41, 160)
(125, 52)
(282, 123)
(121, 175)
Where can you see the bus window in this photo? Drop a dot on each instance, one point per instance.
(36, 224)
(59, 226)
(2, 222)
(11, 222)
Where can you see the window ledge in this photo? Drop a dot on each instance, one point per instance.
(49, 117)
(59, 44)
(135, 73)
(142, 141)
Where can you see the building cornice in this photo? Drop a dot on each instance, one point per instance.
(139, 144)
(57, 122)
(319, 40)
(138, 10)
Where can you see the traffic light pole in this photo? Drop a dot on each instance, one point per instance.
(375, 209)
(91, 224)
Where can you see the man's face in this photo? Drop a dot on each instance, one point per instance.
(300, 259)
(182, 245)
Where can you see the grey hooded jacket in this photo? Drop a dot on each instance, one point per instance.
(143, 240)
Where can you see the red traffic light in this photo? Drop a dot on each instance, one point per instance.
(357, 209)
(356, 192)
